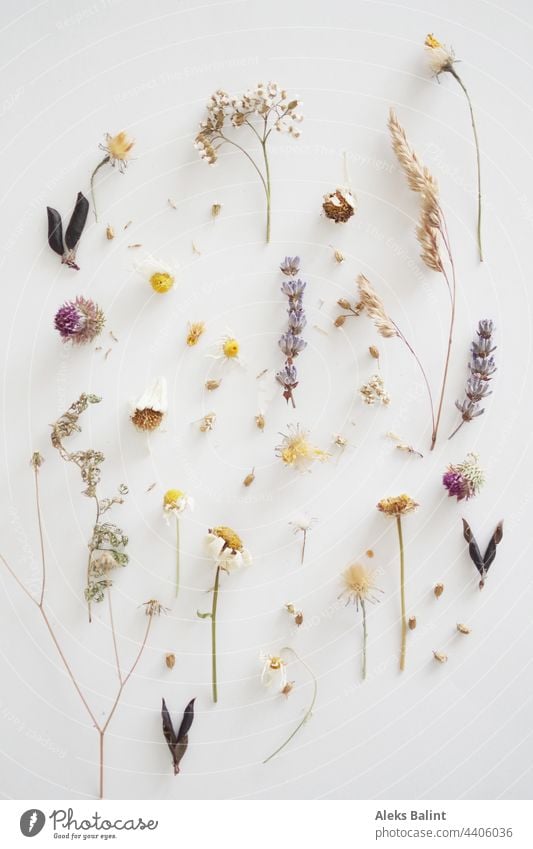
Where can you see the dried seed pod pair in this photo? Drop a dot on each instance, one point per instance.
(66, 248)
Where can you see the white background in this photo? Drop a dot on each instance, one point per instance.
(75, 70)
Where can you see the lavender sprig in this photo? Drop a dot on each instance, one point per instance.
(291, 342)
(482, 367)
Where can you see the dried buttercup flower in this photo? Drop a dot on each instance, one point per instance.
(440, 657)
(339, 205)
(177, 742)
(297, 452)
(438, 590)
(79, 321)
(463, 629)
(117, 151)
(67, 249)
(482, 367)
(482, 562)
(160, 274)
(195, 330)
(374, 391)
(464, 480)
(151, 407)
(170, 660)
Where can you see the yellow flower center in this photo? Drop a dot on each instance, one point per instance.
(275, 663)
(119, 146)
(431, 41)
(161, 282)
(231, 348)
(172, 496)
(229, 536)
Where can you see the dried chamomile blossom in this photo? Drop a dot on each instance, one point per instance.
(260, 110)
(207, 422)
(273, 673)
(297, 452)
(151, 407)
(227, 350)
(360, 588)
(464, 480)
(160, 274)
(401, 445)
(66, 248)
(175, 502)
(79, 321)
(286, 689)
(194, 331)
(374, 391)
(117, 151)
(339, 205)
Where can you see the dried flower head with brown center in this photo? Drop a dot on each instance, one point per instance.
(147, 419)
(230, 537)
(397, 505)
(339, 206)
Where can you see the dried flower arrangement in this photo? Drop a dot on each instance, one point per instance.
(482, 367)
(485, 561)
(117, 151)
(175, 502)
(108, 541)
(227, 550)
(464, 480)
(432, 235)
(359, 588)
(273, 671)
(67, 425)
(66, 248)
(395, 508)
(262, 110)
(291, 342)
(177, 742)
(442, 61)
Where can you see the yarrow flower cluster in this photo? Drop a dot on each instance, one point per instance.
(291, 342)
(374, 392)
(482, 367)
(464, 480)
(262, 109)
(79, 321)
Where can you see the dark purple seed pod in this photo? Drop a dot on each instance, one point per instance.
(77, 222)
(55, 231)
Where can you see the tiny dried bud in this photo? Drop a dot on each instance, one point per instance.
(215, 209)
(289, 686)
(299, 618)
(438, 590)
(109, 233)
(412, 623)
(210, 385)
(170, 660)
(440, 656)
(249, 479)
(339, 321)
(290, 608)
(369, 553)
(373, 351)
(344, 304)
(36, 460)
(208, 422)
(339, 257)
(260, 421)
(463, 629)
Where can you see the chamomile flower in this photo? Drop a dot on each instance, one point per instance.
(227, 350)
(274, 671)
(150, 409)
(160, 274)
(176, 502)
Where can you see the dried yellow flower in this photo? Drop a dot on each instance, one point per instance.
(210, 385)
(397, 505)
(249, 479)
(260, 421)
(230, 537)
(207, 423)
(359, 584)
(215, 209)
(109, 233)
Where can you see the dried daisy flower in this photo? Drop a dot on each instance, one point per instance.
(211, 385)
(297, 452)
(303, 524)
(359, 588)
(194, 331)
(175, 502)
(297, 615)
(79, 321)
(432, 235)
(396, 507)
(286, 690)
(227, 350)
(208, 422)
(440, 657)
(151, 407)
(291, 342)
(464, 480)
(160, 274)
(374, 391)
(339, 205)
(438, 590)
(463, 629)
(117, 151)
(442, 61)
(273, 673)
(290, 266)
(401, 445)
(67, 248)
(482, 367)
(225, 547)
(261, 110)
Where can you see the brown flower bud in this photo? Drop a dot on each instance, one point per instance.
(412, 623)
(369, 553)
(210, 385)
(109, 233)
(373, 351)
(440, 656)
(438, 590)
(339, 321)
(215, 209)
(170, 660)
(249, 479)
(289, 686)
(463, 629)
(339, 206)
(344, 303)
(299, 618)
(260, 421)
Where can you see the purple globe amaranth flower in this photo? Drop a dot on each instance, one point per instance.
(79, 321)
(292, 345)
(290, 266)
(464, 480)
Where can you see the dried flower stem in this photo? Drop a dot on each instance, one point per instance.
(363, 608)
(308, 711)
(456, 76)
(402, 592)
(177, 555)
(214, 636)
(103, 162)
(304, 532)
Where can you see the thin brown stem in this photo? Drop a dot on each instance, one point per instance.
(422, 370)
(454, 74)
(459, 426)
(104, 161)
(453, 290)
(41, 534)
(304, 532)
(402, 593)
(308, 711)
(114, 635)
(363, 608)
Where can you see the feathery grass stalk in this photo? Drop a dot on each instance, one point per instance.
(308, 711)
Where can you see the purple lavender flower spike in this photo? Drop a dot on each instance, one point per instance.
(291, 342)
(290, 266)
(292, 345)
(481, 366)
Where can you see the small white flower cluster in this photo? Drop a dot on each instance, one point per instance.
(374, 391)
